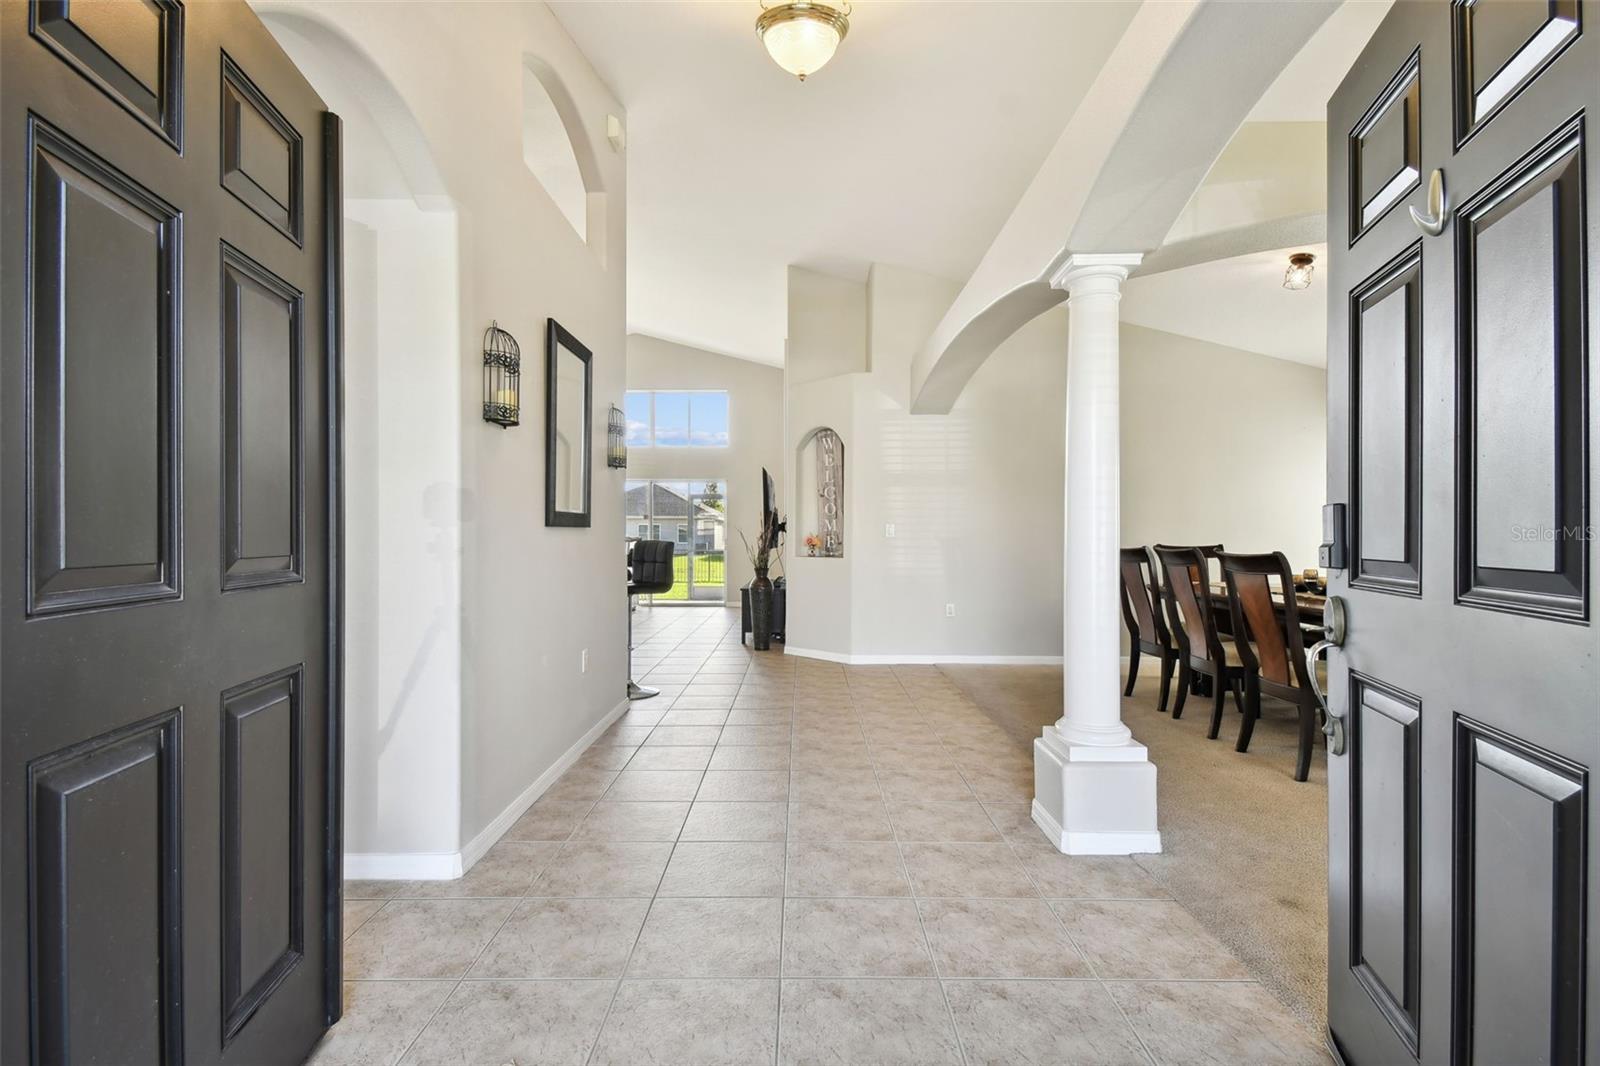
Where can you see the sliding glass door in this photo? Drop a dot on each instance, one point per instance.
(693, 516)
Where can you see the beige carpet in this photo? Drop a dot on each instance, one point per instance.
(1245, 846)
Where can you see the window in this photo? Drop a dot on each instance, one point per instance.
(693, 514)
(636, 410)
(677, 419)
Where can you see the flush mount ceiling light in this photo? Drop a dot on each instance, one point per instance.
(801, 36)
(1298, 276)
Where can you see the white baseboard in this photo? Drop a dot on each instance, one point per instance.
(1110, 844)
(1047, 824)
(436, 866)
(908, 659)
(1105, 843)
(402, 866)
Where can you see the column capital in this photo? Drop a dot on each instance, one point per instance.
(1086, 271)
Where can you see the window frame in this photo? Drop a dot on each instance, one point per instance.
(650, 425)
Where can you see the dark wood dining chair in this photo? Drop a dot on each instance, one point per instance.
(1202, 650)
(1147, 628)
(1270, 645)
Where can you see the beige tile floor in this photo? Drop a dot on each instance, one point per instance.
(783, 860)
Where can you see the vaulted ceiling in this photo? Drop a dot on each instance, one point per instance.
(910, 148)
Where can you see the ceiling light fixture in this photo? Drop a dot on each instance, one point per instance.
(1298, 276)
(801, 36)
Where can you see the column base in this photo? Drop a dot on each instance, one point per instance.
(1093, 800)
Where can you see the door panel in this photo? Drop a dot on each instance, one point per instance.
(1386, 450)
(1385, 824)
(262, 427)
(1461, 871)
(263, 825)
(1520, 902)
(1500, 47)
(1522, 442)
(102, 390)
(261, 152)
(1385, 150)
(132, 51)
(106, 872)
(167, 584)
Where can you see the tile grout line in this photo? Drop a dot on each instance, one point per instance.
(916, 901)
(1045, 898)
(458, 981)
(1094, 970)
(879, 708)
(783, 909)
(616, 989)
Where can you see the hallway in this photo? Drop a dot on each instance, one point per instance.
(788, 860)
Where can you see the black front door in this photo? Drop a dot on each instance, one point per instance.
(1460, 384)
(165, 577)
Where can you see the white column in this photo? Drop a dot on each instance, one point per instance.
(1094, 785)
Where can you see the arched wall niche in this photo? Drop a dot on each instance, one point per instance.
(820, 491)
(557, 149)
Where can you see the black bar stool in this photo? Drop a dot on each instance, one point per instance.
(649, 571)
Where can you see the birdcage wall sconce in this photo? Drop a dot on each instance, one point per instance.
(502, 377)
(617, 439)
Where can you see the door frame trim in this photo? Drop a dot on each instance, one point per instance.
(333, 324)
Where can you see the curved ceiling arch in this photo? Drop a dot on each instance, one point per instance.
(1178, 86)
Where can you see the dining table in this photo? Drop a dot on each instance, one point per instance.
(1308, 604)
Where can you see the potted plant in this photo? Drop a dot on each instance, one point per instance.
(813, 544)
(767, 542)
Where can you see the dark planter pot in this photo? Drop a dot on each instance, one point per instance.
(761, 611)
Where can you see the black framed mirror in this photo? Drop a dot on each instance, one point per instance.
(569, 391)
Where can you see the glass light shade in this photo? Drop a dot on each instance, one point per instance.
(1298, 276)
(803, 36)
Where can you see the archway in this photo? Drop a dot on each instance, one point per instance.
(403, 421)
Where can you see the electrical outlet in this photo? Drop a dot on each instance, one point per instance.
(888, 529)
(583, 662)
(949, 610)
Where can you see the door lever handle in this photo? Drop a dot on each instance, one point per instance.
(1333, 624)
(1438, 216)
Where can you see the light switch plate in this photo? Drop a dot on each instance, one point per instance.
(888, 529)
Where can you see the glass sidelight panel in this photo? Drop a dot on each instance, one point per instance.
(692, 516)
(708, 543)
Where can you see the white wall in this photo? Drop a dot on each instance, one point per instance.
(827, 326)
(531, 599)
(402, 460)
(1221, 445)
(1269, 170)
(755, 433)
(975, 496)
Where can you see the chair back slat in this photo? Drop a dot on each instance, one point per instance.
(1254, 593)
(1267, 640)
(1187, 577)
(1144, 622)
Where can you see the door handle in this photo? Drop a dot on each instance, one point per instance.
(1438, 216)
(1333, 628)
